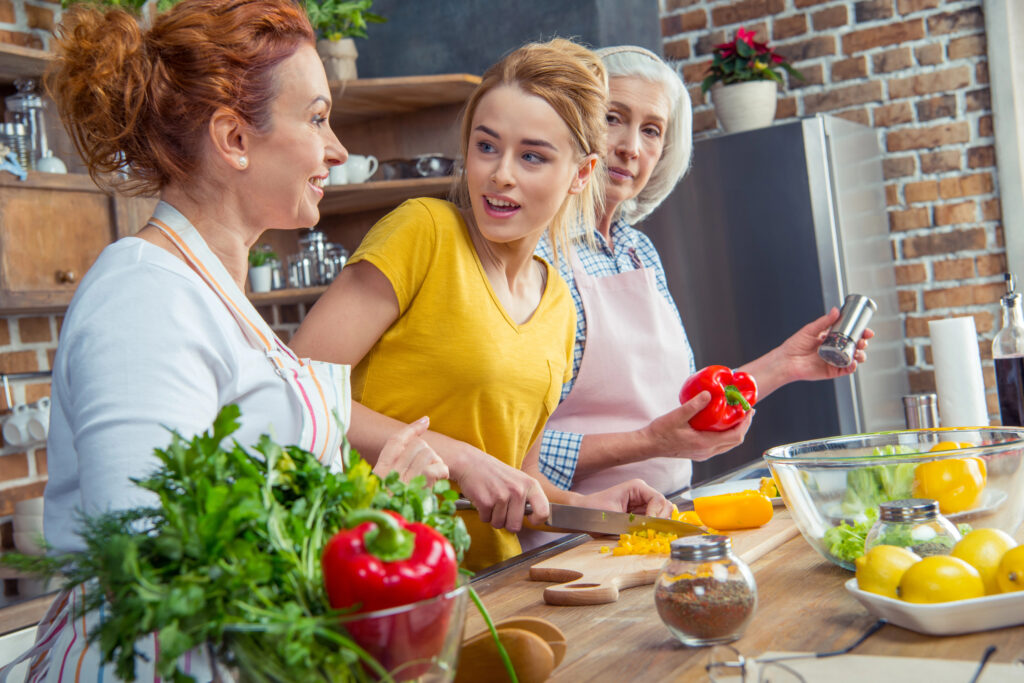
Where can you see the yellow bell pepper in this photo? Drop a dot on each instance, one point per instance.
(957, 484)
(742, 510)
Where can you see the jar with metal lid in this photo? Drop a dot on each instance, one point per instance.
(914, 524)
(705, 594)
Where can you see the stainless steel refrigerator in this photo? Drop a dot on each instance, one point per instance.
(769, 229)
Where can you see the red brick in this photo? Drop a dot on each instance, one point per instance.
(911, 273)
(969, 46)
(51, 355)
(954, 269)
(673, 5)
(697, 98)
(801, 4)
(981, 157)
(991, 210)
(695, 73)
(896, 59)
(704, 120)
(990, 264)
(812, 75)
(745, 10)
(907, 300)
(925, 84)
(922, 381)
(880, 36)
(677, 49)
(706, 42)
(16, 494)
(35, 391)
(39, 17)
(939, 162)
(924, 191)
(7, 12)
(830, 17)
(839, 98)
(21, 38)
(892, 194)
(928, 138)
(966, 186)
(811, 48)
(694, 21)
(5, 333)
(952, 214)
(40, 456)
(872, 10)
(909, 219)
(941, 107)
(785, 108)
(910, 355)
(34, 330)
(979, 100)
(928, 55)
(911, 6)
(845, 69)
(860, 116)
(788, 27)
(18, 361)
(981, 73)
(942, 243)
(671, 25)
(887, 115)
(14, 466)
(985, 127)
(898, 167)
(964, 295)
(956, 22)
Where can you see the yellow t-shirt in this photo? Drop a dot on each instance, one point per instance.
(454, 353)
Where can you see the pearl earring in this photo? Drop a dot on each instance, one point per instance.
(243, 161)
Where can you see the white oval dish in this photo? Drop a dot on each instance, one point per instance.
(945, 618)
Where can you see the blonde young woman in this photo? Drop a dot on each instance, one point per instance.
(446, 310)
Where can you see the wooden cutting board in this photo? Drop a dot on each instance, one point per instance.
(587, 576)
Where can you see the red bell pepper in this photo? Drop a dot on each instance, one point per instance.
(385, 561)
(732, 395)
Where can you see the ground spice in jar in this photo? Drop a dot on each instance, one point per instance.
(705, 608)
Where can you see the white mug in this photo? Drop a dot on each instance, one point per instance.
(39, 422)
(359, 168)
(337, 175)
(15, 429)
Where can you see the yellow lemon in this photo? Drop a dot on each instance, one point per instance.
(982, 549)
(950, 446)
(1011, 570)
(879, 570)
(940, 578)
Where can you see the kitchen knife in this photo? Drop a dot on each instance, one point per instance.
(593, 521)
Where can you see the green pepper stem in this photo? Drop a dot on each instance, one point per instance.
(734, 398)
(387, 539)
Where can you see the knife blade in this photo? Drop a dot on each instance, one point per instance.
(594, 521)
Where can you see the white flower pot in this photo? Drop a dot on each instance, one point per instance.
(339, 58)
(260, 278)
(745, 106)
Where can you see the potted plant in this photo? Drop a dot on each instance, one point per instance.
(261, 266)
(336, 22)
(743, 80)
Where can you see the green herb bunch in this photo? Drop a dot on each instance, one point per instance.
(261, 255)
(337, 19)
(230, 559)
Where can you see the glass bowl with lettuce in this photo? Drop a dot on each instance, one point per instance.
(833, 486)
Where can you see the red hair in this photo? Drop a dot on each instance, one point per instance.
(139, 101)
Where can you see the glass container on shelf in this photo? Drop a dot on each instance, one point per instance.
(914, 524)
(1008, 354)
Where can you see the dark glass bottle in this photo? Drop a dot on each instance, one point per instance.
(1008, 355)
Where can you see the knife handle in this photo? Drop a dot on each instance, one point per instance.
(467, 504)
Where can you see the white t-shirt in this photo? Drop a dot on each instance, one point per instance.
(146, 345)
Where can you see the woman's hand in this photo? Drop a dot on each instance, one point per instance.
(499, 492)
(634, 496)
(410, 456)
(672, 435)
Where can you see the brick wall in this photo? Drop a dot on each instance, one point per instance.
(915, 70)
(28, 23)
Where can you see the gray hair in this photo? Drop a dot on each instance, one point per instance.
(632, 61)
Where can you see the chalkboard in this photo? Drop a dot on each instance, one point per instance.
(466, 36)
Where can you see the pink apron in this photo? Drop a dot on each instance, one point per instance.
(635, 360)
(60, 652)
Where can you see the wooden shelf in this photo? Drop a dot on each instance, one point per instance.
(21, 62)
(78, 182)
(290, 295)
(367, 98)
(381, 194)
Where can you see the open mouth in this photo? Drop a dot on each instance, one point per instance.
(499, 207)
(318, 182)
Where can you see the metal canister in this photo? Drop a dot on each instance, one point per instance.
(921, 410)
(841, 341)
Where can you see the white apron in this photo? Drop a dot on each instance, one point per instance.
(61, 652)
(634, 363)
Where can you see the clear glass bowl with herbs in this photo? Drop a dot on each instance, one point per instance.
(833, 486)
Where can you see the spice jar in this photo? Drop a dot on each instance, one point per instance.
(705, 594)
(914, 524)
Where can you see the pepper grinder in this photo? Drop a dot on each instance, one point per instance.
(841, 341)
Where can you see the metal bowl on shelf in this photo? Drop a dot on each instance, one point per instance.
(422, 166)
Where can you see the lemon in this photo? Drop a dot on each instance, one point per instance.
(879, 569)
(950, 446)
(982, 549)
(1010, 575)
(940, 578)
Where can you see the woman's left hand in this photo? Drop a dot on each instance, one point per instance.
(634, 496)
(410, 456)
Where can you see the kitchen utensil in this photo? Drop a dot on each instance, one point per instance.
(841, 341)
(337, 175)
(921, 410)
(359, 167)
(826, 482)
(26, 108)
(593, 521)
(587, 576)
(396, 169)
(15, 429)
(531, 657)
(433, 165)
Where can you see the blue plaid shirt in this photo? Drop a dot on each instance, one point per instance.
(632, 250)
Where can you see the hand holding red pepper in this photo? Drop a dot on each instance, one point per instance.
(732, 395)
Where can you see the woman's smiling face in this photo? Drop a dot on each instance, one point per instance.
(638, 113)
(521, 164)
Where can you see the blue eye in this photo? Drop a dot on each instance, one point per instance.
(319, 120)
(485, 146)
(533, 158)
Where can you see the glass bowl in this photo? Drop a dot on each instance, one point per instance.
(419, 641)
(839, 481)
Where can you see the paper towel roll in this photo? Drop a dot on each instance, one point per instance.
(958, 378)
